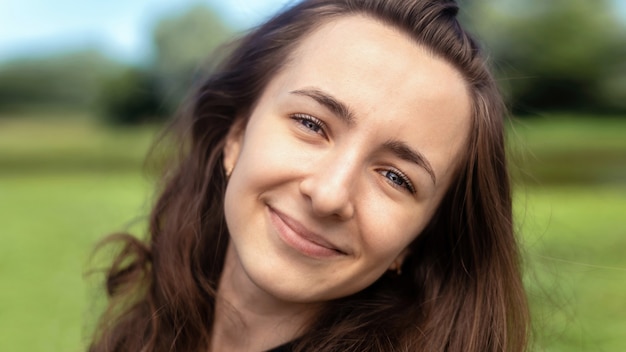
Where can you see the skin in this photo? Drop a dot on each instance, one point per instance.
(322, 201)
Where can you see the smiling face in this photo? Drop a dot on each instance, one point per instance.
(342, 162)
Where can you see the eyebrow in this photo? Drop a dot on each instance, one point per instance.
(331, 103)
(404, 152)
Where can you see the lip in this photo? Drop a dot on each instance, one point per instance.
(296, 236)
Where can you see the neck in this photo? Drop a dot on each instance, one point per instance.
(248, 318)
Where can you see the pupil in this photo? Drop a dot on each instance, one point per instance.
(394, 178)
(311, 125)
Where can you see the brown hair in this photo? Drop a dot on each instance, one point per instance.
(460, 288)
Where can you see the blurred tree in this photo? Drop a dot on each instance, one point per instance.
(558, 54)
(66, 80)
(131, 98)
(183, 44)
(123, 94)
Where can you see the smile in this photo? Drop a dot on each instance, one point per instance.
(299, 238)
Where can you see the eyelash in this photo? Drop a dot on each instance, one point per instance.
(302, 118)
(407, 184)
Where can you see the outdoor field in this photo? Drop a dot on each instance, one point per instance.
(66, 181)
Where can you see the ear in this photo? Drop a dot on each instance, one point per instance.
(233, 144)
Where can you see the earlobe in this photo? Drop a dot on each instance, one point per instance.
(232, 145)
(396, 265)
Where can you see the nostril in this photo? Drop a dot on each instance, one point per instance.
(326, 200)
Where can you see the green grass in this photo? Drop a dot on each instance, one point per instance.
(64, 183)
(562, 149)
(68, 145)
(574, 240)
(49, 224)
(571, 209)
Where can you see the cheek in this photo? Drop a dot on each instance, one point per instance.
(271, 152)
(266, 161)
(388, 228)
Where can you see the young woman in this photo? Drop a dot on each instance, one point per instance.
(343, 187)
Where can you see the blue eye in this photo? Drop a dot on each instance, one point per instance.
(397, 179)
(309, 122)
(311, 125)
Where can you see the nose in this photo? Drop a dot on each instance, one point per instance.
(329, 187)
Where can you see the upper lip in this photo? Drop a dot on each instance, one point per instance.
(306, 233)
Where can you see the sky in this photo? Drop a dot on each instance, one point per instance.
(120, 28)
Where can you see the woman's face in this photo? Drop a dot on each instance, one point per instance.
(343, 161)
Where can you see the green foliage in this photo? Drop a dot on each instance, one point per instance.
(131, 98)
(184, 41)
(558, 55)
(71, 79)
(183, 44)
(122, 94)
(561, 150)
(555, 55)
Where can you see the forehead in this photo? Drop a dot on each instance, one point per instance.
(356, 45)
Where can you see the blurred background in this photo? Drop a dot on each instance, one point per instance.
(85, 86)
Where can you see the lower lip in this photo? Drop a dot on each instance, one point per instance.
(297, 242)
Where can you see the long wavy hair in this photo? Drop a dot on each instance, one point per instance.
(460, 288)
